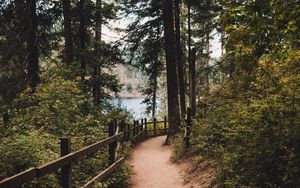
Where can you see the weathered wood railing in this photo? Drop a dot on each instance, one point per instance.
(117, 134)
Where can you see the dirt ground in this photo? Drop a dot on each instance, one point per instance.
(152, 168)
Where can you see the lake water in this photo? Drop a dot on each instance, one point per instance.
(134, 105)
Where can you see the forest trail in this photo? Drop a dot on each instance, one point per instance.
(152, 166)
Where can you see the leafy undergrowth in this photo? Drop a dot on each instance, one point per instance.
(120, 179)
(198, 171)
(251, 133)
(37, 121)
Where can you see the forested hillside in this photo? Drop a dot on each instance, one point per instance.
(132, 81)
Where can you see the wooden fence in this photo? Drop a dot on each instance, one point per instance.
(118, 134)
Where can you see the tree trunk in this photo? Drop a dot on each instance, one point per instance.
(172, 87)
(222, 43)
(189, 47)
(21, 16)
(231, 68)
(179, 59)
(5, 118)
(193, 82)
(82, 38)
(154, 91)
(68, 31)
(207, 63)
(32, 48)
(97, 68)
(222, 74)
(155, 70)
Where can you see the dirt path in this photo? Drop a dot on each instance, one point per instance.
(152, 166)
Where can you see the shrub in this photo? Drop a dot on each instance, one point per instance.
(129, 87)
(57, 109)
(254, 135)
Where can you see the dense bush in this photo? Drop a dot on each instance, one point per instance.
(21, 152)
(129, 87)
(57, 109)
(249, 116)
(254, 135)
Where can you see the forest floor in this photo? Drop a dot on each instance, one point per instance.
(152, 168)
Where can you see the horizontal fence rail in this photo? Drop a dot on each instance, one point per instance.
(104, 174)
(118, 134)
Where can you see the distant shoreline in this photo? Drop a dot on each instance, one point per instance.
(129, 97)
(133, 94)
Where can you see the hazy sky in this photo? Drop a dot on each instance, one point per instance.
(111, 35)
(215, 46)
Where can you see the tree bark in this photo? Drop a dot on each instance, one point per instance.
(193, 82)
(222, 43)
(68, 31)
(172, 87)
(21, 39)
(5, 118)
(82, 38)
(32, 48)
(189, 47)
(207, 63)
(222, 74)
(97, 67)
(155, 70)
(179, 59)
(154, 90)
(21, 14)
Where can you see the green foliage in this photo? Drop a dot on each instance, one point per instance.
(119, 179)
(256, 142)
(57, 109)
(253, 133)
(13, 37)
(144, 44)
(129, 87)
(61, 105)
(20, 152)
(138, 87)
(179, 148)
(249, 122)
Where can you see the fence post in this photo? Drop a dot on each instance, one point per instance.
(65, 149)
(122, 126)
(188, 127)
(192, 84)
(154, 126)
(146, 129)
(112, 146)
(165, 124)
(134, 128)
(137, 129)
(142, 128)
(116, 125)
(128, 132)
